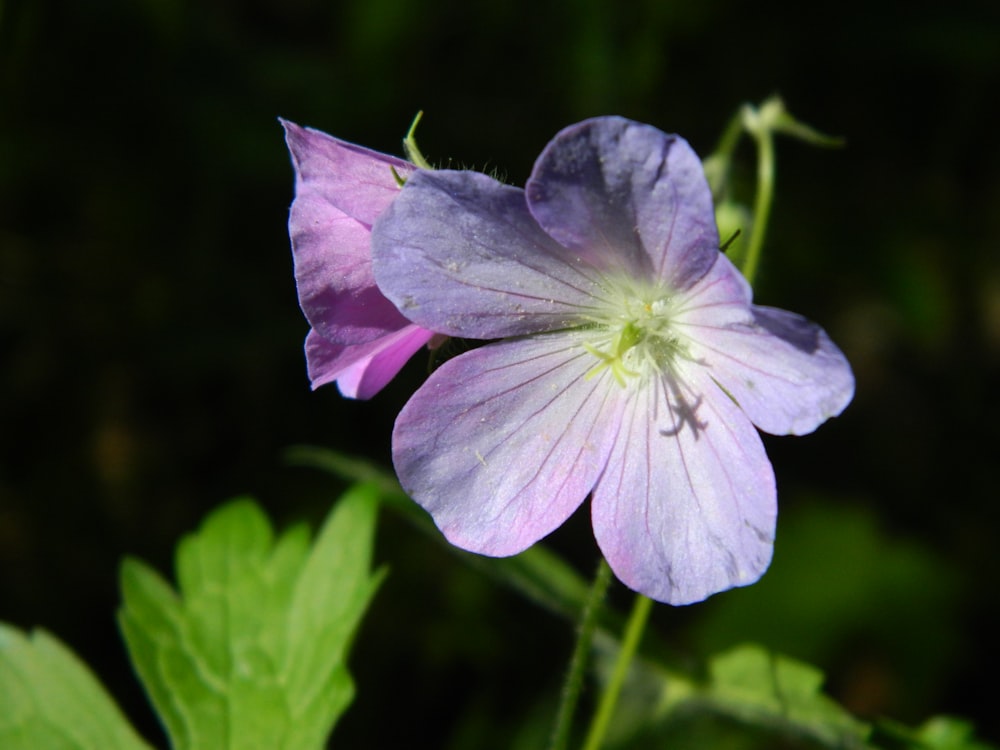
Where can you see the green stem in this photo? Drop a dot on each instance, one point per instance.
(718, 162)
(762, 201)
(578, 662)
(630, 642)
(730, 136)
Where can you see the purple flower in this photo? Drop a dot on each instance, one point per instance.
(358, 338)
(631, 363)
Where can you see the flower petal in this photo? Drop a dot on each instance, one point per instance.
(362, 370)
(720, 297)
(783, 370)
(355, 180)
(503, 443)
(459, 253)
(628, 197)
(687, 505)
(339, 190)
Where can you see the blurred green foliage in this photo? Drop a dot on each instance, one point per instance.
(151, 345)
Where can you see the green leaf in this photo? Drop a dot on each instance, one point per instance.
(49, 699)
(770, 690)
(937, 733)
(251, 651)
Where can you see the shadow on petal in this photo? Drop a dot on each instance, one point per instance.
(793, 329)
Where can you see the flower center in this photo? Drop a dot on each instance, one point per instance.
(634, 335)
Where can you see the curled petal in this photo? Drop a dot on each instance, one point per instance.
(628, 197)
(362, 370)
(686, 507)
(459, 253)
(503, 443)
(339, 190)
(783, 370)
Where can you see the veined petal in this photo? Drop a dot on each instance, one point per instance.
(687, 505)
(720, 297)
(627, 197)
(503, 443)
(339, 190)
(362, 370)
(783, 370)
(459, 253)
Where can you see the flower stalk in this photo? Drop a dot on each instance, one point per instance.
(578, 662)
(760, 125)
(631, 639)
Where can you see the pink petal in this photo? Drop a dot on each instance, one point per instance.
(355, 180)
(362, 370)
(339, 191)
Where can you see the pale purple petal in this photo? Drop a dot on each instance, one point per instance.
(627, 196)
(783, 370)
(687, 505)
(503, 443)
(718, 298)
(362, 370)
(459, 253)
(339, 190)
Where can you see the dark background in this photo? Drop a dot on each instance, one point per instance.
(151, 342)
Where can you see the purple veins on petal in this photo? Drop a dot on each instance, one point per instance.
(460, 253)
(686, 506)
(503, 443)
(627, 196)
(783, 370)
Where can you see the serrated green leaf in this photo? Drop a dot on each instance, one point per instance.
(50, 699)
(329, 599)
(251, 652)
(750, 683)
(234, 536)
(151, 623)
